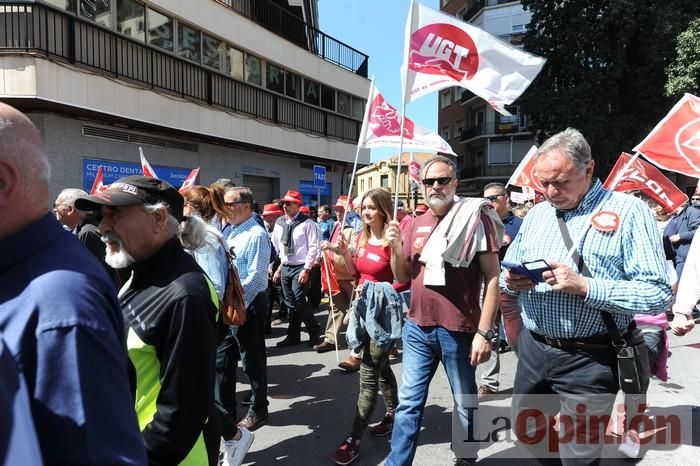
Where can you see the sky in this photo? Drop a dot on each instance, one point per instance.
(377, 28)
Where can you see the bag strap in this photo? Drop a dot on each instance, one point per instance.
(614, 332)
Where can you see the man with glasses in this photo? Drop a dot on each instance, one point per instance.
(295, 238)
(251, 245)
(508, 305)
(445, 320)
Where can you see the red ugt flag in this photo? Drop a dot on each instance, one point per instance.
(647, 178)
(98, 185)
(523, 176)
(675, 142)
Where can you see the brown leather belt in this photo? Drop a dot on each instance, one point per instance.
(595, 342)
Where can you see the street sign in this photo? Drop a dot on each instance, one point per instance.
(319, 176)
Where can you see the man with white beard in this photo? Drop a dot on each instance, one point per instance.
(59, 317)
(170, 307)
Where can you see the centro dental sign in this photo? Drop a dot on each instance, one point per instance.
(113, 170)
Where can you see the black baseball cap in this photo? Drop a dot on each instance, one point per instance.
(134, 190)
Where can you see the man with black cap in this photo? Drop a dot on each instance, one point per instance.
(170, 307)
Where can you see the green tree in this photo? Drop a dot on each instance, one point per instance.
(605, 70)
(684, 72)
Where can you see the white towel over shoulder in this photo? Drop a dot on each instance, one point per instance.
(457, 239)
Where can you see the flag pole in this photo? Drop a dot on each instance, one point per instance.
(398, 165)
(330, 299)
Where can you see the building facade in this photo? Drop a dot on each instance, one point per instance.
(249, 90)
(489, 145)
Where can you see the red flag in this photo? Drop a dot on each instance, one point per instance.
(382, 128)
(674, 144)
(414, 170)
(329, 284)
(189, 181)
(523, 176)
(146, 167)
(98, 185)
(441, 51)
(648, 179)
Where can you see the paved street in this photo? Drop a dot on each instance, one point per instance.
(312, 404)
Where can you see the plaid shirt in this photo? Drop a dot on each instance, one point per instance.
(251, 247)
(628, 267)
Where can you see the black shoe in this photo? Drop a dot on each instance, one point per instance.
(247, 399)
(314, 340)
(288, 342)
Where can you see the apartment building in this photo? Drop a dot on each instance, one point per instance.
(249, 90)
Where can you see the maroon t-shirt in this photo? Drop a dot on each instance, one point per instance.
(454, 306)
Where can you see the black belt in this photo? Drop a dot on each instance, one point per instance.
(595, 342)
(292, 265)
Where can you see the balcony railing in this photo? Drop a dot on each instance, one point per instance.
(491, 128)
(285, 24)
(36, 28)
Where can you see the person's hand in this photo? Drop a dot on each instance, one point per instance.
(563, 278)
(675, 238)
(481, 350)
(277, 277)
(326, 246)
(682, 324)
(304, 276)
(393, 235)
(517, 282)
(341, 246)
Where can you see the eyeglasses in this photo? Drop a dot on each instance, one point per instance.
(231, 204)
(695, 199)
(493, 197)
(442, 181)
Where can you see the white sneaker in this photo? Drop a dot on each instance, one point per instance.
(233, 451)
(630, 446)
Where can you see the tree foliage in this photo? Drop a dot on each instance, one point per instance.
(606, 68)
(684, 72)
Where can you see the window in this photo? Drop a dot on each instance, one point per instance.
(234, 63)
(328, 98)
(188, 42)
(445, 132)
(499, 153)
(358, 108)
(99, 11)
(362, 185)
(293, 84)
(253, 69)
(275, 78)
(459, 127)
(160, 30)
(311, 92)
(344, 103)
(445, 98)
(213, 51)
(369, 183)
(131, 19)
(383, 181)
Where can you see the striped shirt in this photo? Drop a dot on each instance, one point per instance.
(627, 265)
(251, 247)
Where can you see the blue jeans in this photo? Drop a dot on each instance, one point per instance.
(423, 349)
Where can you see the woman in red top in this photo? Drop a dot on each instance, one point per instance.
(371, 263)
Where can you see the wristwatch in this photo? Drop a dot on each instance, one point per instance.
(488, 334)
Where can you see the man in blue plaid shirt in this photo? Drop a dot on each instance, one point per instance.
(565, 347)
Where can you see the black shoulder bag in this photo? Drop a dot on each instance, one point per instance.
(632, 358)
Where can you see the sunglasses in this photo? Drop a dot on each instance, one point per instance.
(494, 197)
(441, 181)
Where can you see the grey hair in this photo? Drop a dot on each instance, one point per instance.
(244, 194)
(20, 143)
(69, 195)
(572, 143)
(496, 185)
(435, 159)
(193, 232)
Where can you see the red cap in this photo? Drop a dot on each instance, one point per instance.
(342, 202)
(305, 210)
(272, 209)
(293, 196)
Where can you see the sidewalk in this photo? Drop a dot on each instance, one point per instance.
(312, 403)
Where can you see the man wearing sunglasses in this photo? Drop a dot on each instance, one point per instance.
(508, 305)
(445, 322)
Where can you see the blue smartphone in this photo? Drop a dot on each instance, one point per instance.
(532, 270)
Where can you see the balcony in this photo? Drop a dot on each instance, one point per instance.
(491, 128)
(285, 24)
(481, 4)
(495, 171)
(46, 32)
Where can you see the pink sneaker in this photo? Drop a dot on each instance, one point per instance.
(347, 452)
